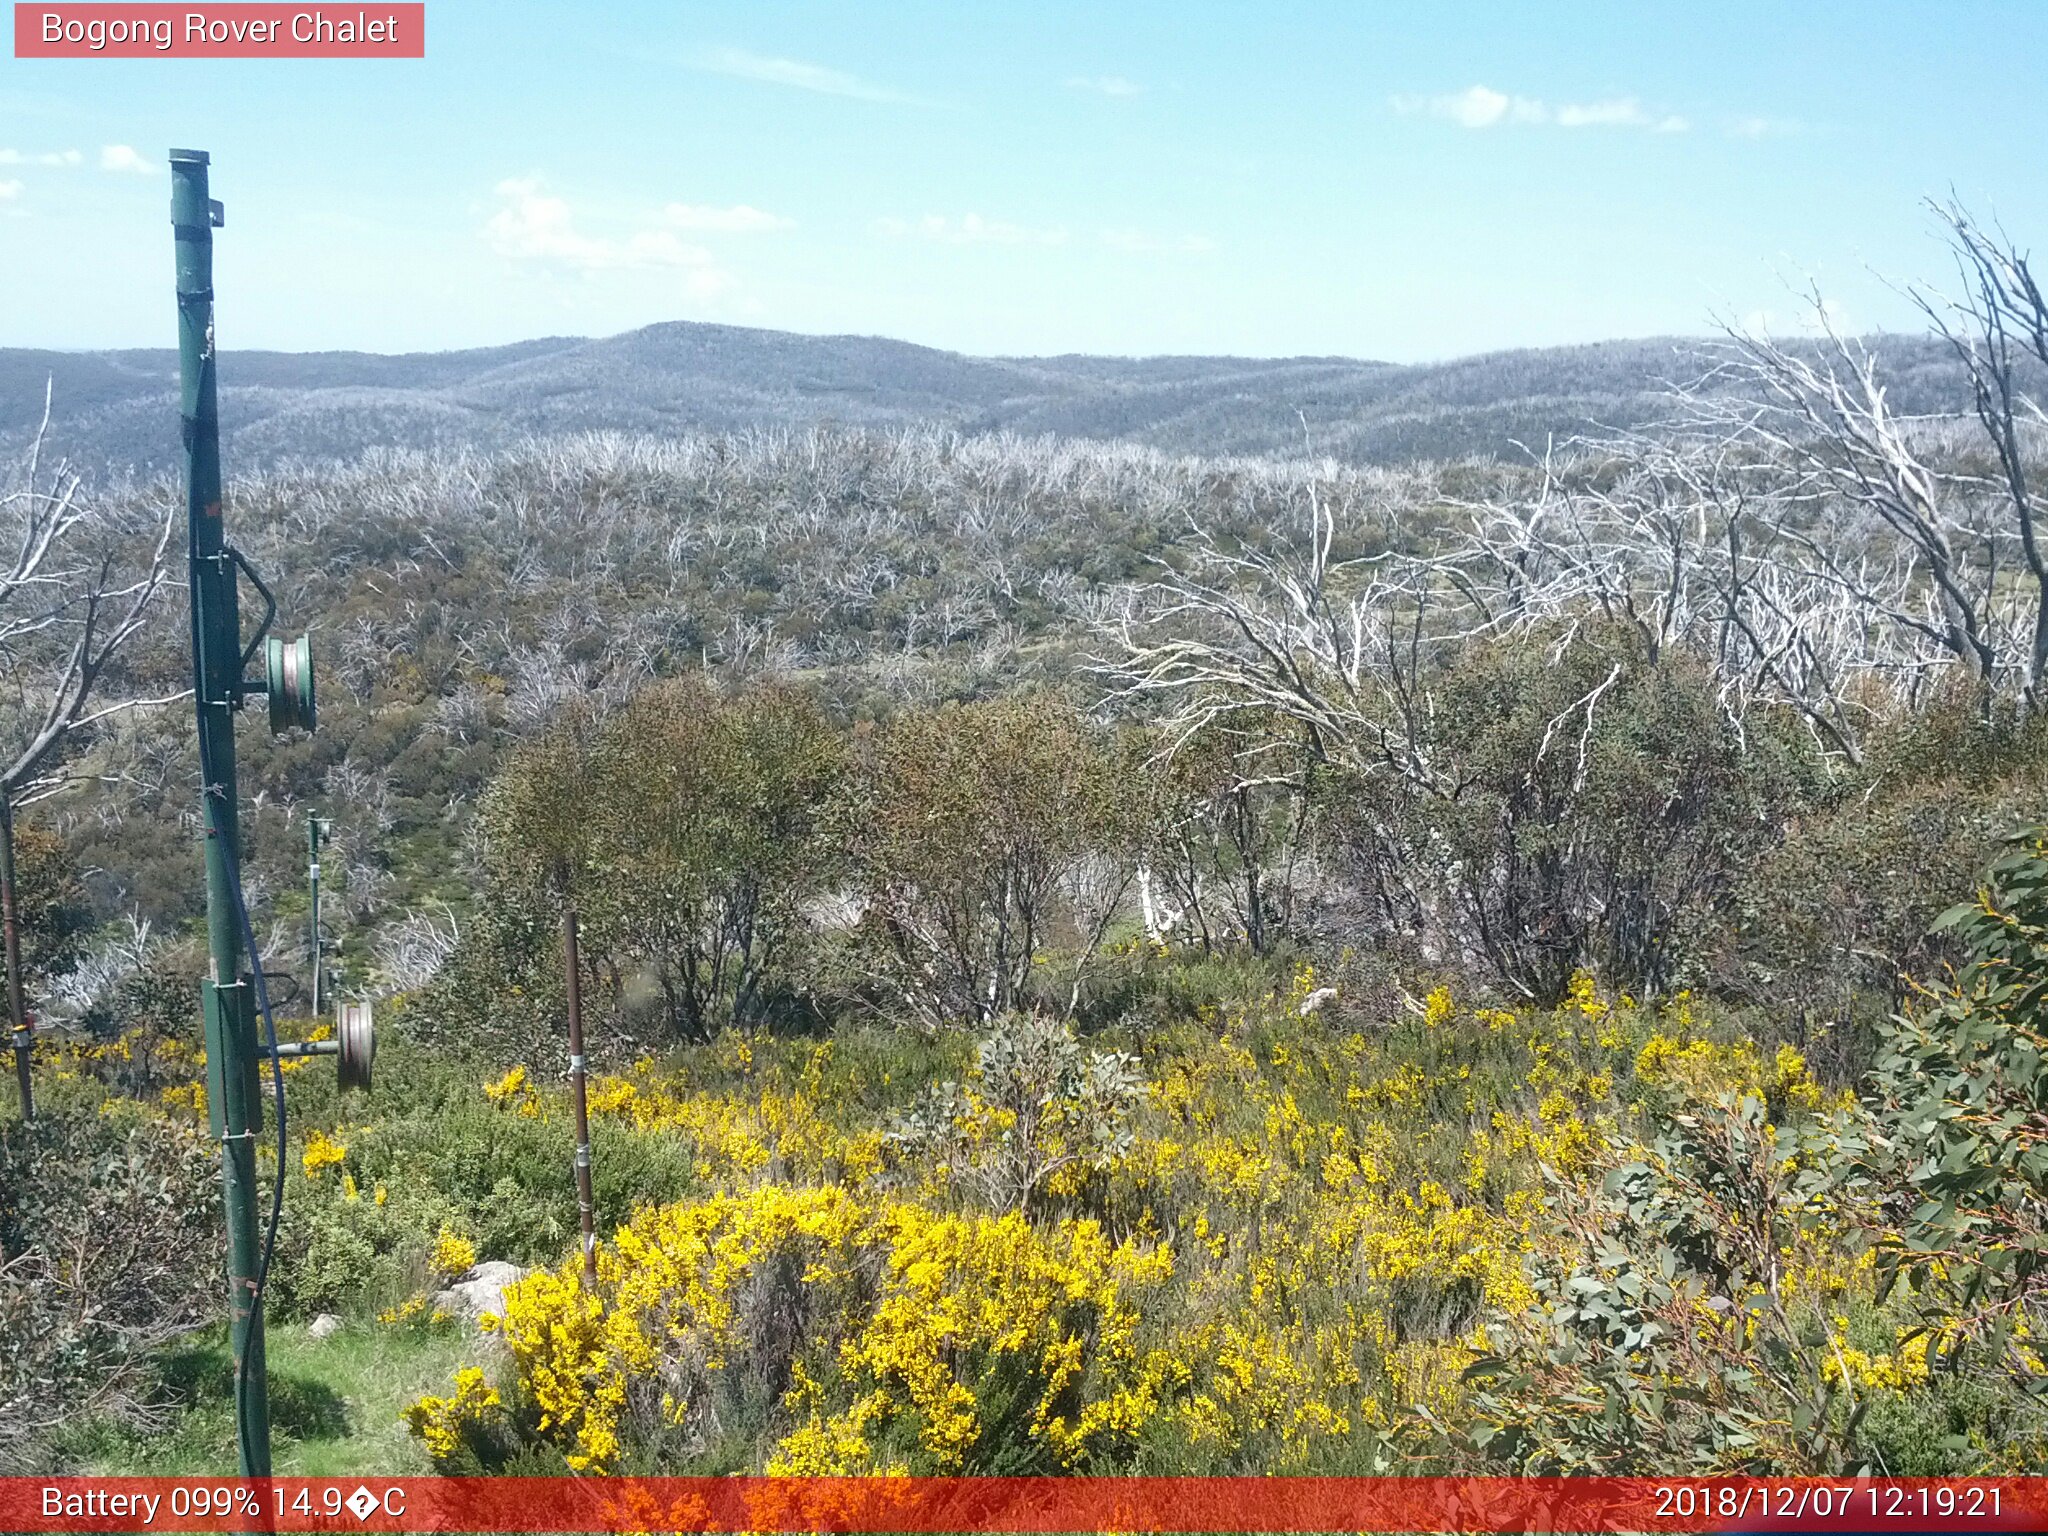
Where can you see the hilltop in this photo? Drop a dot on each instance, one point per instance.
(118, 408)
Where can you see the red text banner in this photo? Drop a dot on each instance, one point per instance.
(1122, 1504)
(232, 31)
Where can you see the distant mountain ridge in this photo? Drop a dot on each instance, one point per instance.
(119, 408)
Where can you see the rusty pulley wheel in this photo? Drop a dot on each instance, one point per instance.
(358, 1042)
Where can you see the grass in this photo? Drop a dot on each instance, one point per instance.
(334, 1404)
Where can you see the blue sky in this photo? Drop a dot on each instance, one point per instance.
(1399, 181)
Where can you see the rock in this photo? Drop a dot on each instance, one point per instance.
(480, 1293)
(325, 1326)
(1315, 1000)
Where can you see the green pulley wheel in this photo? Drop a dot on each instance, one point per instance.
(289, 668)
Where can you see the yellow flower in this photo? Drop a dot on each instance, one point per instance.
(321, 1152)
(1581, 994)
(453, 1254)
(190, 1097)
(442, 1423)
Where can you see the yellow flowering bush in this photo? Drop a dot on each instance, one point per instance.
(1292, 1256)
(453, 1254)
(446, 1424)
(187, 1098)
(1896, 1370)
(680, 1300)
(321, 1151)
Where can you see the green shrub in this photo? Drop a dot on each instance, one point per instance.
(982, 837)
(1035, 1104)
(685, 832)
(1826, 926)
(436, 1153)
(1707, 1325)
(1671, 1347)
(1560, 806)
(108, 1250)
(1228, 823)
(1963, 1095)
(51, 906)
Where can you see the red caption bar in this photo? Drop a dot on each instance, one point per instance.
(1019, 1504)
(238, 31)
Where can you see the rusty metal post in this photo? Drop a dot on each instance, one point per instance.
(316, 832)
(586, 1206)
(17, 1011)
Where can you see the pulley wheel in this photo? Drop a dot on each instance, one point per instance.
(288, 665)
(358, 1043)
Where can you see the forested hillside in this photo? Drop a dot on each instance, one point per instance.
(118, 408)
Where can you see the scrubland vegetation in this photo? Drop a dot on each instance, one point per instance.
(1104, 962)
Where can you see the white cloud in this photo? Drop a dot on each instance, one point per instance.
(796, 74)
(1622, 112)
(1138, 242)
(54, 157)
(122, 157)
(969, 229)
(1619, 112)
(737, 220)
(532, 225)
(1480, 106)
(1476, 106)
(1105, 85)
(9, 190)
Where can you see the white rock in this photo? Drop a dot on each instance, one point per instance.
(325, 1326)
(480, 1293)
(1315, 1000)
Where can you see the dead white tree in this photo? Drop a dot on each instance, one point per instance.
(1885, 509)
(1277, 626)
(77, 587)
(1997, 328)
(411, 951)
(78, 577)
(1698, 544)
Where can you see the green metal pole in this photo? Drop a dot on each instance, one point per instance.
(314, 827)
(227, 994)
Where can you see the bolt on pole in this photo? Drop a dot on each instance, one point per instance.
(227, 995)
(586, 1211)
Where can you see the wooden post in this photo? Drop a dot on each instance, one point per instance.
(17, 1012)
(579, 1096)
